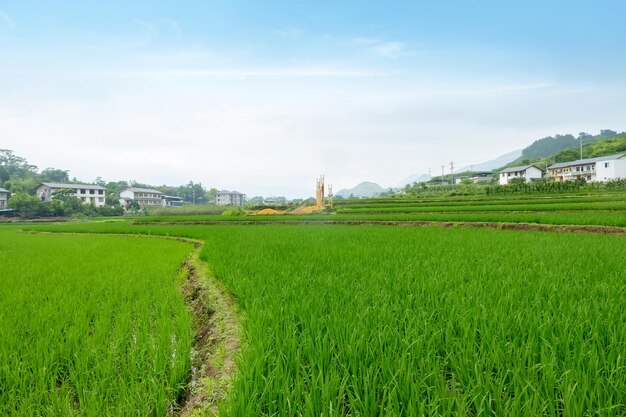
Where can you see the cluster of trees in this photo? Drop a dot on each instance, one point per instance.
(21, 179)
(62, 204)
(17, 175)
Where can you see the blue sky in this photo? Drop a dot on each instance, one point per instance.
(264, 96)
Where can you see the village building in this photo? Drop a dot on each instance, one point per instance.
(4, 198)
(604, 168)
(527, 172)
(476, 178)
(230, 198)
(86, 193)
(145, 197)
(172, 201)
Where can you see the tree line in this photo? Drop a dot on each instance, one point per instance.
(21, 179)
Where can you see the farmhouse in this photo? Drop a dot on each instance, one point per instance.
(4, 197)
(604, 168)
(87, 193)
(527, 172)
(145, 197)
(230, 198)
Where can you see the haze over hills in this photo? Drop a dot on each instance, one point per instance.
(482, 166)
(493, 163)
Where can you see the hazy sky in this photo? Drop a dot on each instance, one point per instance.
(264, 96)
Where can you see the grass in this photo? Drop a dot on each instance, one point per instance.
(375, 320)
(91, 325)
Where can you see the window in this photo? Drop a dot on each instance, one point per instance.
(83, 191)
(606, 164)
(100, 200)
(92, 191)
(100, 192)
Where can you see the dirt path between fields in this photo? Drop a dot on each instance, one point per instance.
(445, 224)
(218, 333)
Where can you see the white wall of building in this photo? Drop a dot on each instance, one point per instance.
(86, 195)
(611, 170)
(528, 174)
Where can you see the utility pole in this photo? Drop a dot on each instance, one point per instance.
(429, 176)
(442, 168)
(193, 195)
(452, 172)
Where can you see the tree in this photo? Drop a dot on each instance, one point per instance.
(256, 201)
(54, 175)
(26, 205)
(211, 194)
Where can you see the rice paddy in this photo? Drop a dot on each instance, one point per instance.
(369, 320)
(91, 325)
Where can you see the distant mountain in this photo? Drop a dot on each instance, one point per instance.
(494, 163)
(364, 189)
(413, 178)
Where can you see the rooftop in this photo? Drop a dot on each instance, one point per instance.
(586, 161)
(143, 190)
(229, 192)
(73, 186)
(517, 169)
(2, 190)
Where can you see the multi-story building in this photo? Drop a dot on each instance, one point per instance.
(604, 168)
(527, 172)
(145, 197)
(230, 198)
(4, 197)
(87, 193)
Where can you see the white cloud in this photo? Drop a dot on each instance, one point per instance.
(390, 49)
(387, 49)
(243, 73)
(6, 21)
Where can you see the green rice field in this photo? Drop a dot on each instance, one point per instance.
(91, 325)
(409, 321)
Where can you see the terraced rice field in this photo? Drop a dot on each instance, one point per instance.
(387, 321)
(609, 210)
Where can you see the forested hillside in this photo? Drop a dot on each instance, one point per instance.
(550, 145)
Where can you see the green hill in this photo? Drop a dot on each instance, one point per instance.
(551, 145)
(615, 145)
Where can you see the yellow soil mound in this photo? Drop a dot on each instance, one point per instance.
(307, 209)
(268, 211)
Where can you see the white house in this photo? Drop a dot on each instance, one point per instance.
(4, 197)
(527, 172)
(87, 193)
(230, 198)
(604, 168)
(611, 167)
(145, 197)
